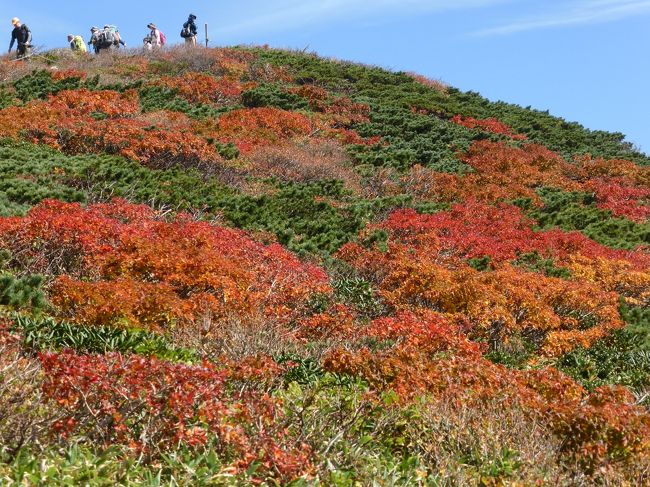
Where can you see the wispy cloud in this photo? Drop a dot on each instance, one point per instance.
(294, 13)
(581, 12)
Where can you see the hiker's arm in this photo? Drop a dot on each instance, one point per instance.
(13, 40)
(28, 41)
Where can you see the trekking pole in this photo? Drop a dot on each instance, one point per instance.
(34, 53)
(207, 39)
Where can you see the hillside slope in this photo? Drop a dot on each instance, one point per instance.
(244, 266)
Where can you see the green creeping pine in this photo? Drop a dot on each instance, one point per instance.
(392, 92)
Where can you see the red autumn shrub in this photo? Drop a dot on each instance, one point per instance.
(342, 111)
(161, 272)
(426, 184)
(565, 245)
(272, 122)
(472, 229)
(337, 322)
(85, 121)
(203, 88)
(60, 238)
(628, 171)
(491, 125)
(428, 331)
(500, 173)
(431, 357)
(425, 267)
(501, 232)
(504, 172)
(597, 429)
(153, 406)
(85, 102)
(621, 199)
(120, 302)
(68, 73)
(254, 127)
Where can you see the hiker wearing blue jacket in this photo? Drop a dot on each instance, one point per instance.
(190, 32)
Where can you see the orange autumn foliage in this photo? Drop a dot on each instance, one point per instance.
(203, 88)
(121, 264)
(85, 121)
(491, 125)
(502, 172)
(425, 267)
(431, 357)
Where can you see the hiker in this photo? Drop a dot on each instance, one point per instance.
(158, 39)
(147, 44)
(23, 36)
(77, 43)
(190, 31)
(94, 39)
(116, 35)
(105, 40)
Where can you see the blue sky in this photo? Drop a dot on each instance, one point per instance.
(584, 60)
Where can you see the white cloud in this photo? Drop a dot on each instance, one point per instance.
(581, 12)
(294, 13)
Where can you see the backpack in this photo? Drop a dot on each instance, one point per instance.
(79, 43)
(163, 38)
(186, 32)
(116, 34)
(107, 39)
(24, 32)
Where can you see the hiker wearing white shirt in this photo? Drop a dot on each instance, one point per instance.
(158, 39)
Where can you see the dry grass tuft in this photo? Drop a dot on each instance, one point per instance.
(436, 84)
(24, 419)
(235, 337)
(305, 163)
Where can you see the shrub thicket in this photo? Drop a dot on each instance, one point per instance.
(429, 287)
